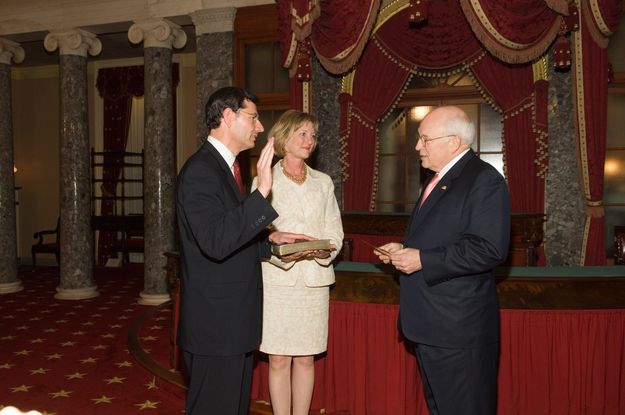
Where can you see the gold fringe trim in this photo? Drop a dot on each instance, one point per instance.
(539, 69)
(497, 44)
(347, 58)
(597, 28)
(542, 147)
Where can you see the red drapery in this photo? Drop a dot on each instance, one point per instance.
(447, 35)
(590, 90)
(567, 362)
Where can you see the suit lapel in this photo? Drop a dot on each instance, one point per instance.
(446, 184)
(224, 169)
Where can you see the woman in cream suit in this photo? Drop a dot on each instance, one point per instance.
(296, 288)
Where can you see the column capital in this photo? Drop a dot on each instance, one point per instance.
(213, 20)
(157, 33)
(10, 49)
(73, 42)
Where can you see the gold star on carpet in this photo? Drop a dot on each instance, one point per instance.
(147, 405)
(160, 318)
(88, 323)
(115, 379)
(99, 347)
(54, 356)
(68, 344)
(21, 388)
(9, 317)
(122, 318)
(50, 330)
(70, 313)
(61, 394)
(102, 399)
(103, 308)
(152, 384)
(40, 371)
(45, 311)
(8, 338)
(6, 366)
(37, 340)
(125, 363)
(89, 360)
(149, 338)
(61, 321)
(108, 336)
(22, 327)
(96, 315)
(156, 327)
(115, 326)
(75, 375)
(23, 352)
(79, 333)
(34, 319)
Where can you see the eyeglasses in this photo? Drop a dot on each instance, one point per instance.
(425, 140)
(254, 117)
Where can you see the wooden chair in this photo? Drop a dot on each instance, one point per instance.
(42, 247)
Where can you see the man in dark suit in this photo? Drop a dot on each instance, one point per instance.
(222, 242)
(458, 232)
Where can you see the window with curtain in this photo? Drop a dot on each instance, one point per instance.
(399, 172)
(258, 69)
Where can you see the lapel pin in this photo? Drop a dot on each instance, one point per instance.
(443, 187)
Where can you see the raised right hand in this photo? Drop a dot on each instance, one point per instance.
(263, 168)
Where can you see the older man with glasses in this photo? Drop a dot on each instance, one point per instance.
(458, 232)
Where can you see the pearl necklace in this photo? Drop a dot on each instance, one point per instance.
(298, 180)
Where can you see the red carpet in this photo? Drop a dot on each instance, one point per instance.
(64, 357)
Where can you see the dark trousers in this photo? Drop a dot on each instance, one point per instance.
(219, 384)
(459, 381)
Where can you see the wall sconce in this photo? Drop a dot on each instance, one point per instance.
(14, 169)
(418, 113)
(612, 167)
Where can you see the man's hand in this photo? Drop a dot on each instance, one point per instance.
(263, 168)
(406, 260)
(385, 252)
(280, 238)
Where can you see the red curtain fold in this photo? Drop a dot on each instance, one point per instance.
(341, 32)
(372, 96)
(512, 87)
(567, 362)
(515, 31)
(590, 80)
(443, 41)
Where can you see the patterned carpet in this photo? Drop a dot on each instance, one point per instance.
(64, 357)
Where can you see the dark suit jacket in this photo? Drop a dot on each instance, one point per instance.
(221, 248)
(462, 231)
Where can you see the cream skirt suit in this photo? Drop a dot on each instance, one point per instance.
(297, 294)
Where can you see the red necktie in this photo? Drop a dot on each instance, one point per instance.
(429, 188)
(236, 169)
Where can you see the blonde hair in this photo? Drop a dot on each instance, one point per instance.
(287, 124)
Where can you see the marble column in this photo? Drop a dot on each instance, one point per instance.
(76, 236)
(564, 200)
(159, 170)
(325, 105)
(214, 29)
(9, 283)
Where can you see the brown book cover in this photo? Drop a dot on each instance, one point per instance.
(287, 249)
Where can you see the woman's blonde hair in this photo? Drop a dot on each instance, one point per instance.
(287, 124)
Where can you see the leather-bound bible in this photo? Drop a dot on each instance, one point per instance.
(287, 249)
